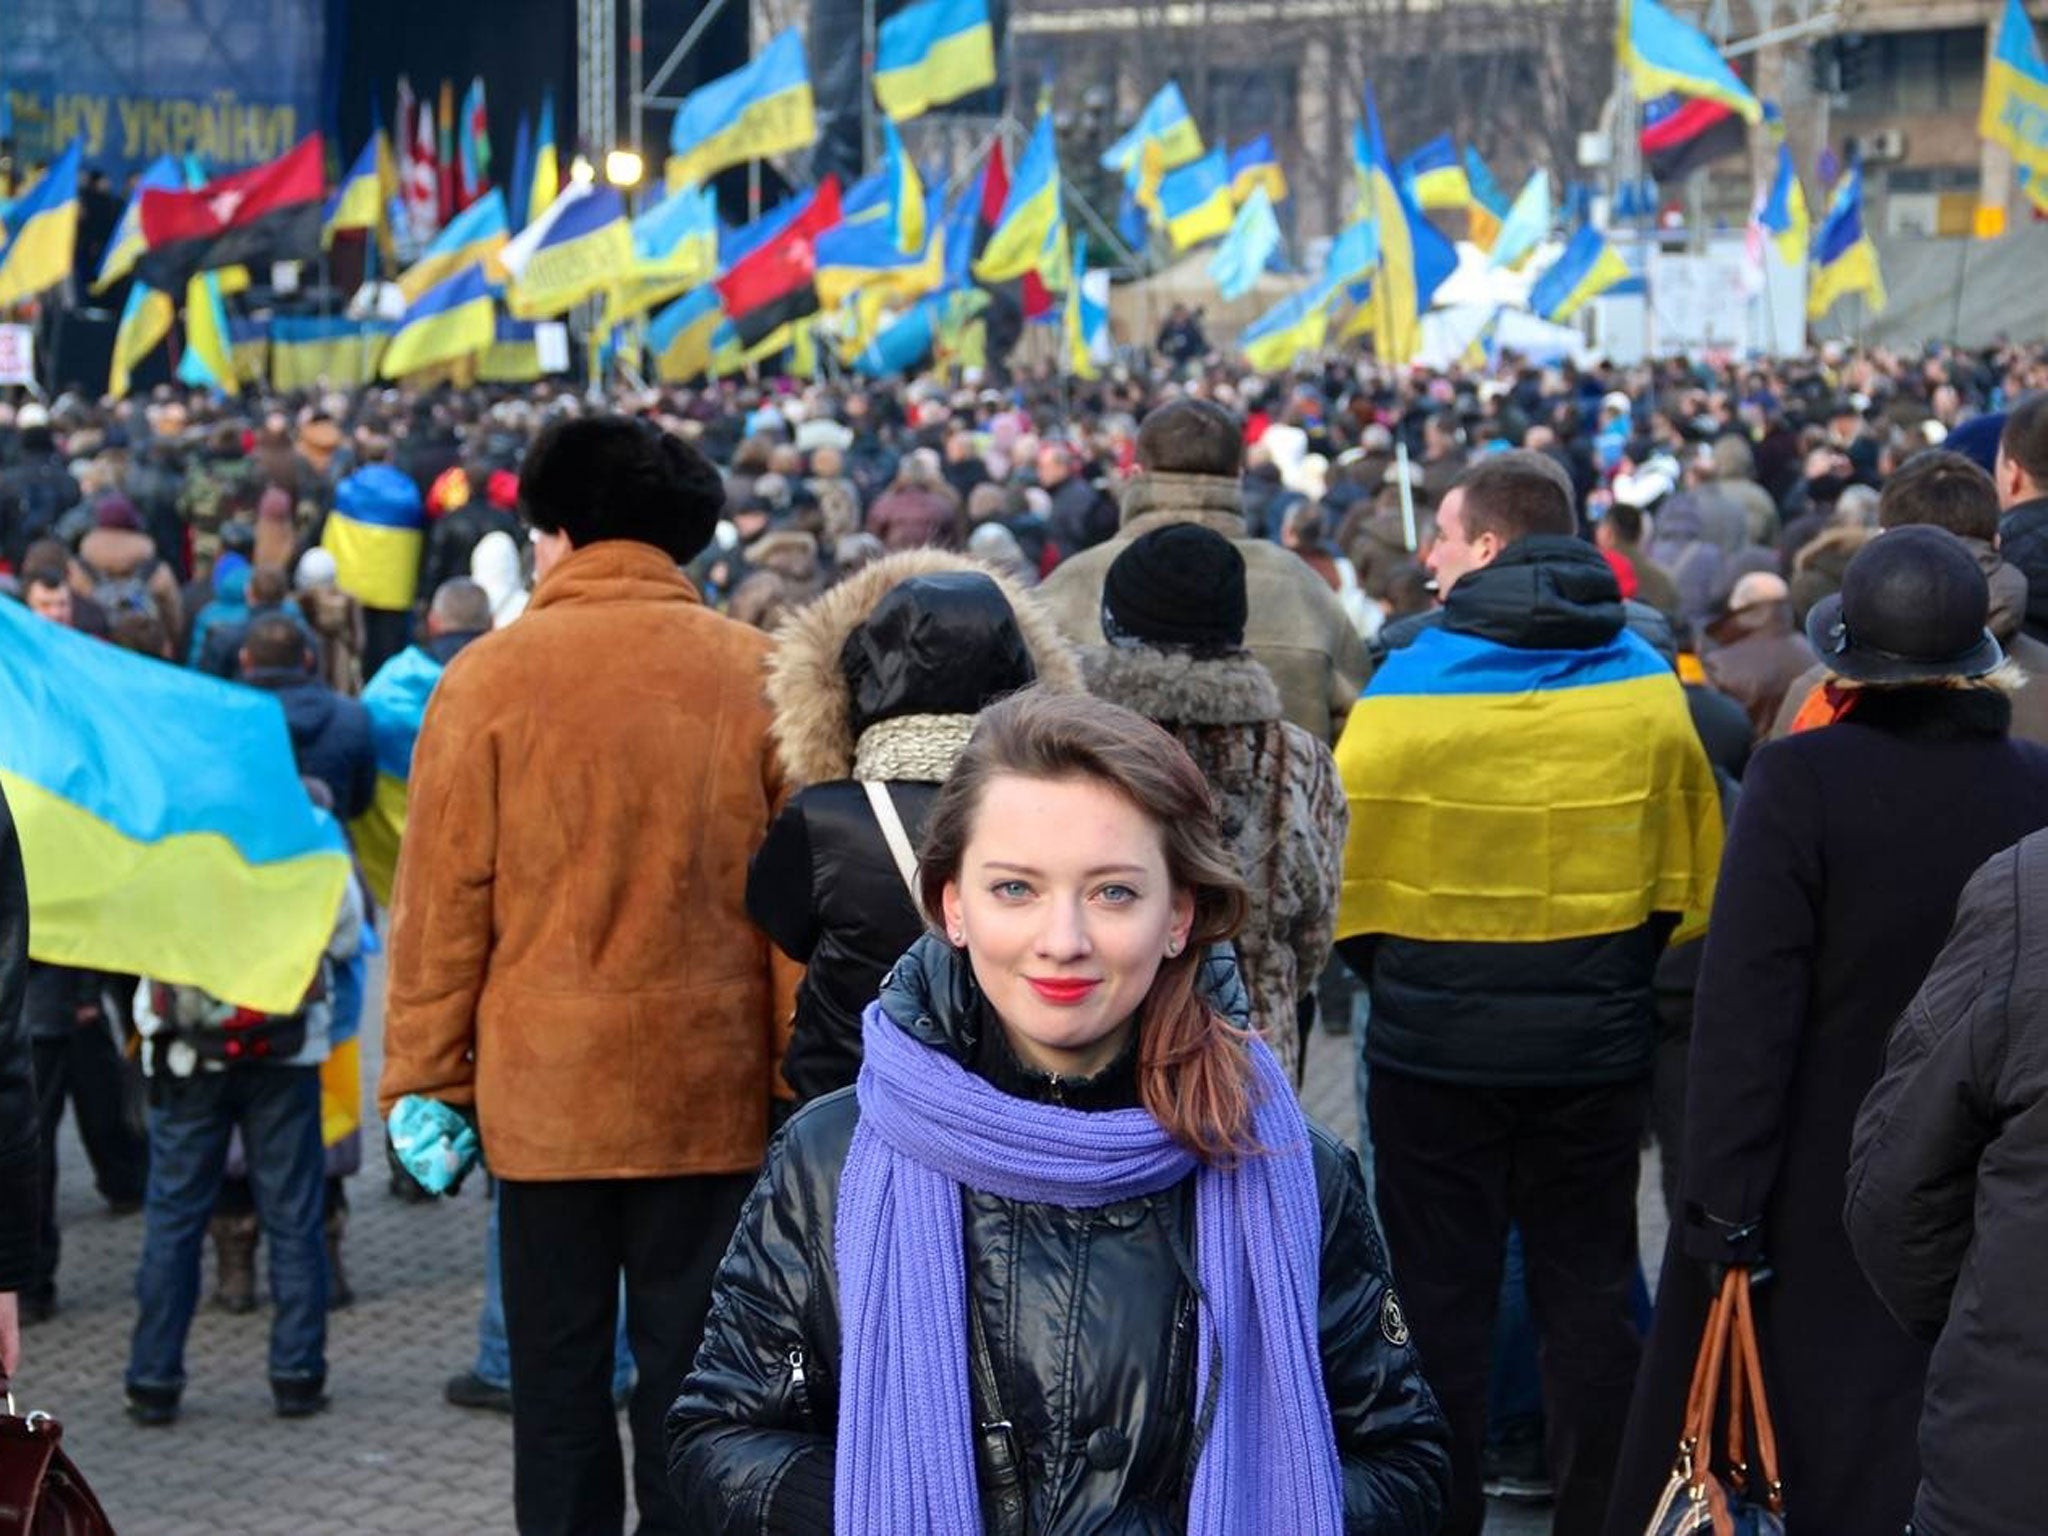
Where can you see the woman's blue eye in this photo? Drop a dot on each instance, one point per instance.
(1118, 895)
(1011, 890)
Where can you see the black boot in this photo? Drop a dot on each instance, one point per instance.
(234, 1247)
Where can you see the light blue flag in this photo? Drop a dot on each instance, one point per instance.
(1527, 224)
(1249, 247)
(1353, 254)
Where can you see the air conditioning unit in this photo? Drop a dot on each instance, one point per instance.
(1885, 146)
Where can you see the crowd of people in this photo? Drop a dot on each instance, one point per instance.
(867, 862)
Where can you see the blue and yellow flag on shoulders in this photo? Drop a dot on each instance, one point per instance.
(1592, 807)
(42, 232)
(1254, 165)
(127, 244)
(375, 534)
(931, 53)
(397, 701)
(2015, 110)
(187, 852)
(1586, 268)
(1843, 261)
(762, 108)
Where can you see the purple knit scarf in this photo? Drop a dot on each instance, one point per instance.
(928, 1128)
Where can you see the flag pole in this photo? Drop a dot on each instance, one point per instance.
(867, 76)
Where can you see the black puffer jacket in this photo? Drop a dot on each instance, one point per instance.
(1553, 1014)
(19, 1148)
(932, 648)
(1089, 1317)
(2023, 540)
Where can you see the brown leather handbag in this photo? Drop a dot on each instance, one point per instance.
(41, 1491)
(1733, 1501)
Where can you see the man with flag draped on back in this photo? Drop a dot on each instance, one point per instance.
(1531, 818)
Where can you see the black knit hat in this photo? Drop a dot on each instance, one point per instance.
(1912, 609)
(1181, 585)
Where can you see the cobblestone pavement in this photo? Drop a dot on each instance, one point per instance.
(390, 1456)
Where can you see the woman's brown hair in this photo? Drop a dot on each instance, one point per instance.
(1193, 1073)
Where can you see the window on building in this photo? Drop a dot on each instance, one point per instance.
(1247, 101)
(1920, 73)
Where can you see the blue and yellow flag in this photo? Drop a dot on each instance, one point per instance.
(581, 246)
(397, 701)
(1298, 324)
(859, 265)
(363, 200)
(931, 53)
(681, 336)
(1249, 247)
(127, 244)
(452, 320)
(146, 319)
(1663, 55)
(1843, 261)
(1031, 215)
(326, 351)
(477, 234)
(1435, 177)
(675, 247)
(2015, 110)
(906, 192)
(763, 108)
(1489, 205)
(42, 232)
(1415, 258)
(208, 359)
(1353, 256)
(1166, 127)
(1611, 813)
(1587, 268)
(375, 533)
(1084, 318)
(1254, 165)
(513, 357)
(187, 852)
(546, 185)
(1194, 201)
(1783, 215)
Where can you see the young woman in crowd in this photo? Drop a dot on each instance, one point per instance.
(1069, 1257)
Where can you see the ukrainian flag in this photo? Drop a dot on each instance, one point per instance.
(1415, 258)
(374, 533)
(906, 192)
(1587, 268)
(208, 359)
(477, 234)
(42, 227)
(128, 243)
(450, 321)
(1784, 214)
(581, 246)
(681, 335)
(1248, 248)
(761, 109)
(187, 852)
(1844, 261)
(1030, 216)
(249, 346)
(933, 53)
(547, 170)
(1164, 124)
(675, 247)
(513, 357)
(1195, 202)
(1084, 322)
(1254, 165)
(1297, 324)
(1610, 812)
(1489, 206)
(145, 321)
(1435, 177)
(325, 352)
(1662, 54)
(862, 264)
(2015, 110)
(363, 200)
(397, 701)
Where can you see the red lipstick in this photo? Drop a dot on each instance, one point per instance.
(1062, 993)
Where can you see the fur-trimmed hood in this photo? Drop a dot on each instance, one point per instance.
(813, 722)
(1159, 497)
(1179, 688)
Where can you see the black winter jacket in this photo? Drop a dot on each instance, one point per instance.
(1090, 1321)
(2023, 540)
(1946, 1211)
(330, 737)
(1558, 1013)
(20, 1148)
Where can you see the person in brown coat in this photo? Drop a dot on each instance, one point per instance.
(571, 955)
(920, 510)
(1757, 655)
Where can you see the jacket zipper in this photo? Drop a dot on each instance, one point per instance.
(798, 1382)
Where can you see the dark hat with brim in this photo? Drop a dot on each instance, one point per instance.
(1912, 609)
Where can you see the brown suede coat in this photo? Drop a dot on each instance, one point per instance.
(570, 948)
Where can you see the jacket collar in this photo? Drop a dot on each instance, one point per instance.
(614, 571)
(1547, 592)
(1177, 688)
(1154, 500)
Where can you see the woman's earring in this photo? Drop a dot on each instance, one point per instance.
(1172, 947)
(958, 937)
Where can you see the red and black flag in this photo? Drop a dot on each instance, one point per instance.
(252, 218)
(776, 284)
(1682, 133)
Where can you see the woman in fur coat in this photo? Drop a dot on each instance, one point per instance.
(1173, 607)
(876, 686)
